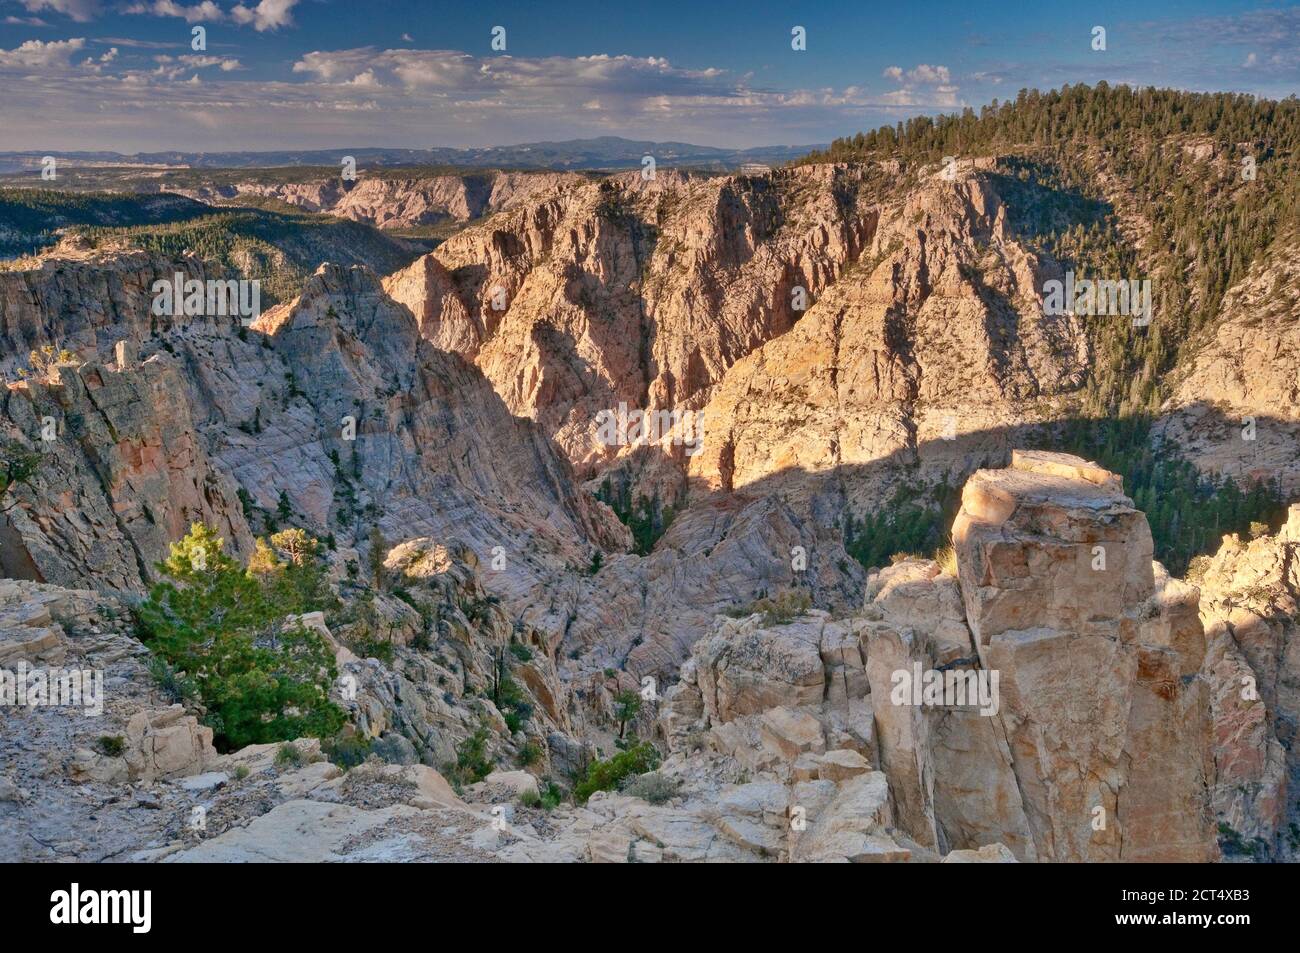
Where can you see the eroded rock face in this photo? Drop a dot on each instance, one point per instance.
(1056, 570)
(82, 300)
(1236, 409)
(745, 670)
(127, 475)
(1250, 601)
(645, 614)
(949, 768)
(142, 451)
(822, 318)
(449, 636)
(923, 342)
(908, 359)
(635, 291)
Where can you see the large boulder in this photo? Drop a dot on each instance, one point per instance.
(744, 668)
(1108, 731)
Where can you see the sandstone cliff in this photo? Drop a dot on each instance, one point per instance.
(1250, 606)
(1236, 409)
(925, 359)
(922, 354)
(212, 422)
(1103, 709)
(635, 291)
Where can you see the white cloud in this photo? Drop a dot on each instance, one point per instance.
(922, 73)
(923, 86)
(97, 65)
(25, 21)
(139, 44)
(366, 78)
(267, 15)
(455, 72)
(407, 96)
(172, 67)
(83, 11)
(37, 54)
(205, 12)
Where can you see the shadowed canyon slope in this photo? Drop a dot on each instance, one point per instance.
(206, 410)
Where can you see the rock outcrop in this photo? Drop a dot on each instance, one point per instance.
(1250, 605)
(331, 400)
(1084, 731)
(926, 359)
(1105, 716)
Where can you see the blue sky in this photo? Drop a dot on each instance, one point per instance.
(279, 74)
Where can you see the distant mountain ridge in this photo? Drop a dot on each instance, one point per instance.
(604, 152)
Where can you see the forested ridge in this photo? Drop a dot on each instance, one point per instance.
(1189, 190)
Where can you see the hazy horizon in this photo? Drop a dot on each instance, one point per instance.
(277, 75)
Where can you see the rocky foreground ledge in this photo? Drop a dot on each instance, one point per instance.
(1102, 717)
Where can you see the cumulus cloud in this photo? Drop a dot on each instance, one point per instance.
(266, 15)
(921, 74)
(366, 78)
(456, 72)
(37, 54)
(96, 65)
(923, 86)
